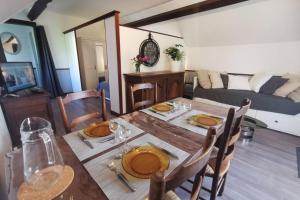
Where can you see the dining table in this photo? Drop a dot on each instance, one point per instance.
(84, 185)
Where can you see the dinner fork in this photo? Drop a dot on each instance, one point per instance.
(112, 166)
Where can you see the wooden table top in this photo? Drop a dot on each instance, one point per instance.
(84, 187)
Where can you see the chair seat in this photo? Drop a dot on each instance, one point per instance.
(169, 196)
(210, 169)
(214, 153)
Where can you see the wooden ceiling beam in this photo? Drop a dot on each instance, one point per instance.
(38, 7)
(184, 11)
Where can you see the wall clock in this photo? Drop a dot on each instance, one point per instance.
(150, 48)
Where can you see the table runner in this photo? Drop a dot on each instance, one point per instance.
(82, 151)
(110, 184)
(168, 115)
(182, 122)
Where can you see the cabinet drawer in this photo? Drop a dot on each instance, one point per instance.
(281, 122)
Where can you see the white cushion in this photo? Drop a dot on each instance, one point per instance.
(238, 82)
(204, 79)
(258, 80)
(215, 78)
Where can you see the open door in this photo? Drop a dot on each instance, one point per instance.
(70, 39)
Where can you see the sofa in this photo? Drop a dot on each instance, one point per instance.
(279, 113)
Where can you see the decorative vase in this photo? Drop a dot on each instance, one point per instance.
(176, 66)
(137, 68)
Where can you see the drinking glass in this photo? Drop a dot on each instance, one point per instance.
(113, 127)
(187, 106)
(43, 163)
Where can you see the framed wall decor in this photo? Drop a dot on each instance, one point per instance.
(150, 48)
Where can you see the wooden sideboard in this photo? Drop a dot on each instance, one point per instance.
(16, 109)
(169, 85)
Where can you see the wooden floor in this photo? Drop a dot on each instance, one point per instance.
(265, 169)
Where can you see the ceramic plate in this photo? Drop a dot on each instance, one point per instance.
(163, 107)
(97, 130)
(205, 120)
(144, 161)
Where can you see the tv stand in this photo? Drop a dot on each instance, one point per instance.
(29, 104)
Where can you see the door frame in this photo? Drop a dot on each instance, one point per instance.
(116, 15)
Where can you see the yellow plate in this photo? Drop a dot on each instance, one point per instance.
(163, 107)
(97, 130)
(204, 120)
(144, 161)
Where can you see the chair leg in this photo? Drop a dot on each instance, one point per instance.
(223, 185)
(214, 188)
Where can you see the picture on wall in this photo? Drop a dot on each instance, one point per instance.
(150, 49)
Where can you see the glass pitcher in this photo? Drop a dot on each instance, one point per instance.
(43, 163)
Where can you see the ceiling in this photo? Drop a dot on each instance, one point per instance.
(94, 8)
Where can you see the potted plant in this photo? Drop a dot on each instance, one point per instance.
(138, 60)
(176, 56)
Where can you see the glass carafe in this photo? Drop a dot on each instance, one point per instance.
(43, 163)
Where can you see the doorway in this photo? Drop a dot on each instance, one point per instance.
(101, 36)
(92, 57)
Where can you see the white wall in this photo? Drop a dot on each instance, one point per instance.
(55, 24)
(112, 64)
(249, 37)
(5, 147)
(130, 40)
(259, 35)
(276, 58)
(169, 27)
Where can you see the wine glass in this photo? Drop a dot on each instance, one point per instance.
(120, 138)
(127, 133)
(113, 127)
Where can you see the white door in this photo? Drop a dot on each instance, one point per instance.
(70, 40)
(100, 60)
(89, 64)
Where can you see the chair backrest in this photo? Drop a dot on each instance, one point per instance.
(143, 87)
(195, 166)
(230, 136)
(62, 101)
(14, 173)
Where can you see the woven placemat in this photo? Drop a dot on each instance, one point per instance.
(25, 192)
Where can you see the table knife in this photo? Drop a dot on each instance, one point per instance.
(122, 178)
(164, 150)
(157, 112)
(106, 139)
(85, 141)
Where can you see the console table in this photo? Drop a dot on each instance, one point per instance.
(16, 109)
(169, 85)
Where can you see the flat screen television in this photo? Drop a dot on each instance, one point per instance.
(17, 76)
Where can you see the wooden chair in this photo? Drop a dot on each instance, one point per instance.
(62, 101)
(161, 187)
(143, 87)
(218, 165)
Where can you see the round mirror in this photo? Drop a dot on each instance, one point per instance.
(10, 43)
